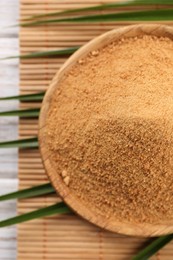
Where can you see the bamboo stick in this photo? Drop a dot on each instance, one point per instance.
(73, 256)
(50, 45)
(38, 200)
(35, 225)
(25, 186)
(28, 126)
(30, 183)
(32, 82)
(43, 64)
(52, 5)
(30, 157)
(27, 50)
(40, 171)
(55, 34)
(31, 208)
(63, 250)
(34, 161)
(76, 237)
(29, 121)
(52, 233)
(28, 129)
(36, 158)
(37, 71)
(54, 43)
(87, 27)
(59, 40)
(26, 92)
(68, 238)
(26, 135)
(38, 61)
(60, 247)
(29, 153)
(38, 177)
(25, 165)
(77, 27)
(31, 89)
(51, 239)
(30, 105)
(67, 2)
(46, 69)
(85, 233)
(63, 223)
(37, 76)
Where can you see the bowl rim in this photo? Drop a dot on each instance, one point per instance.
(135, 229)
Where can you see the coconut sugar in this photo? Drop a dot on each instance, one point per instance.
(110, 130)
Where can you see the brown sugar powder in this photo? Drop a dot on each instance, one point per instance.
(110, 130)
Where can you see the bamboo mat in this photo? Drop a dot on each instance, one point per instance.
(66, 236)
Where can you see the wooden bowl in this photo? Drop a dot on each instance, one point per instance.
(137, 229)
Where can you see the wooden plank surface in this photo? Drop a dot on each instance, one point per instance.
(9, 79)
(68, 236)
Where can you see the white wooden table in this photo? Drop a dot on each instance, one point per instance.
(9, 79)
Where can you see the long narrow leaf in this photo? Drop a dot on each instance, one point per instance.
(43, 189)
(149, 15)
(59, 208)
(31, 97)
(154, 2)
(34, 112)
(22, 143)
(103, 7)
(154, 247)
(41, 54)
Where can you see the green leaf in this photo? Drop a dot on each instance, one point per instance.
(154, 2)
(34, 112)
(104, 7)
(31, 97)
(22, 143)
(59, 208)
(41, 54)
(149, 15)
(29, 193)
(154, 247)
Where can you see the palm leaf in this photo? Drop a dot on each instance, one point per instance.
(154, 2)
(34, 112)
(43, 189)
(31, 97)
(149, 15)
(59, 208)
(41, 54)
(103, 7)
(154, 247)
(22, 143)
